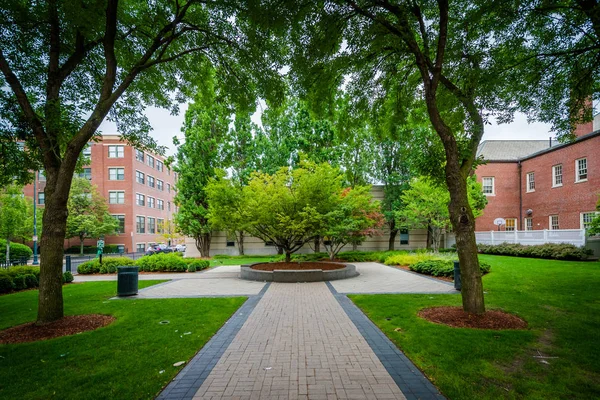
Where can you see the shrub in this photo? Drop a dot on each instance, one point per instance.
(556, 251)
(198, 265)
(109, 265)
(162, 262)
(191, 268)
(362, 256)
(67, 277)
(31, 281)
(442, 267)
(6, 283)
(413, 258)
(24, 270)
(17, 250)
(19, 282)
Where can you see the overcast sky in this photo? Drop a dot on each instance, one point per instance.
(166, 126)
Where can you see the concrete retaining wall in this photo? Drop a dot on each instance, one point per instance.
(310, 275)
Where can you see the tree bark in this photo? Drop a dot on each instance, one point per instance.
(288, 256)
(81, 246)
(428, 244)
(241, 243)
(203, 244)
(392, 239)
(317, 243)
(7, 252)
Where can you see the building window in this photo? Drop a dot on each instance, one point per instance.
(554, 222)
(159, 165)
(139, 155)
(140, 247)
(160, 204)
(511, 224)
(121, 219)
(116, 151)
(529, 224)
(150, 181)
(230, 243)
(151, 225)
(151, 161)
(140, 224)
(87, 153)
(140, 177)
(586, 219)
(160, 225)
(150, 202)
(269, 243)
(168, 188)
(581, 171)
(87, 174)
(116, 197)
(488, 185)
(557, 172)
(140, 199)
(403, 236)
(41, 176)
(41, 198)
(120, 248)
(168, 206)
(531, 182)
(116, 174)
(160, 185)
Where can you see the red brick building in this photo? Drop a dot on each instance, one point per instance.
(138, 187)
(538, 184)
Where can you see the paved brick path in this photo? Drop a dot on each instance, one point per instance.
(299, 344)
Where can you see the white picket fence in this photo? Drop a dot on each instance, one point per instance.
(572, 236)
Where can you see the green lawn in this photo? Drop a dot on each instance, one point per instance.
(559, 299)
(120, 361)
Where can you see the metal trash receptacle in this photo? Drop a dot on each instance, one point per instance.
(127, 281)
(457, 283)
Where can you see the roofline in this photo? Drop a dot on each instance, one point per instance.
(499, 161)
(563, 145)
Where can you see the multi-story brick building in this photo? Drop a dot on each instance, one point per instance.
(138, 188)
(537, 185)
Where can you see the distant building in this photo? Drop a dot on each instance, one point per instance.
(138, 188)
(540, 184)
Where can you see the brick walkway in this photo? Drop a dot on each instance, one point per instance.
(299, 344)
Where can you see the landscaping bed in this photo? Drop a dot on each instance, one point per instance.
(325, 266)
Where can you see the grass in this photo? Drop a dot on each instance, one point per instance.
(122, 360)
(559, 300)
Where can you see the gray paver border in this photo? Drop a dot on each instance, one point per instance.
(411, 381)
(187, 382)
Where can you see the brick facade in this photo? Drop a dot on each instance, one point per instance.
(100, 164)
(567, 200)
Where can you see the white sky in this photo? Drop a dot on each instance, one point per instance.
(166, 126)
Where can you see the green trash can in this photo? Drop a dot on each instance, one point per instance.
(127, 281)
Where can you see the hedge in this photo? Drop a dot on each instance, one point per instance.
(196, 265)
(162, 262)
(17, 250)
(109, 265)
(442, 267)
(555, 251)
(25, 277)
(413, 258)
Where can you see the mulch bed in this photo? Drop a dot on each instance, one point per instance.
(68, 325)
(456, 317)
(297, 266)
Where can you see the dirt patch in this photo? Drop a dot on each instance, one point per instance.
(456, 317)
(298, 266)
(441, 278)
(68, 325)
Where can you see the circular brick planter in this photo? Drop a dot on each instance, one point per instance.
(299, 275)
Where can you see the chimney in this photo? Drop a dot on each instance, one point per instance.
(583, 128)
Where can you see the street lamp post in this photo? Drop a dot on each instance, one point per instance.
(35, 238)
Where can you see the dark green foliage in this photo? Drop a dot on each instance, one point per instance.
(556, 251)
(67, 277)
(17, 250)
(197, 265)
(19, 282)
(225, 256)
(442, 267)
(6, 283)
(108, 249)
(109, 265)
(162, 262)
(191, 268)
(362, 256)
(31, 281)
(23, 270)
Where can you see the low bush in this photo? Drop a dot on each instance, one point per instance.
(31, 281)
(17, 250)
(191, 268)
(555, 251)
(109, 265)
(226, 256)
(19, 282)
(197, 265)
(442, 267)
(413, 258)
(162, 262)
(23, 270)
(6, 283)
(67, 277)
(362, 256)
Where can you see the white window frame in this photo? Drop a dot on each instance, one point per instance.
(530, 182)
(551, 225)
(153, 219)
(137, 197)
(148, 202)
(148, 158)
(160, 185)
(581, 215)
(529, 223)
(117, 173)
(117, 196)
(493, 179)
(153, 181)
(137, 172)
(577, 174)
(139, 155)
(120, 215)
(555, 175)
(137, 246)
(119, 151)
(160, 204)
(514, 227)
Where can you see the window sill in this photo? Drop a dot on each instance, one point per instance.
(530, 191)
(489, 194)
(581, 181)
(556, 186)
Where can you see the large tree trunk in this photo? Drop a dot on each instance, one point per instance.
(7, 252)
(81, 245)
(429, 239)
(393, 233)
(241, 243)
(288, 256)
(317, 243)
(203, 244)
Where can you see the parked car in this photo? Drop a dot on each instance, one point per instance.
(158, 248)
(180, 247)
